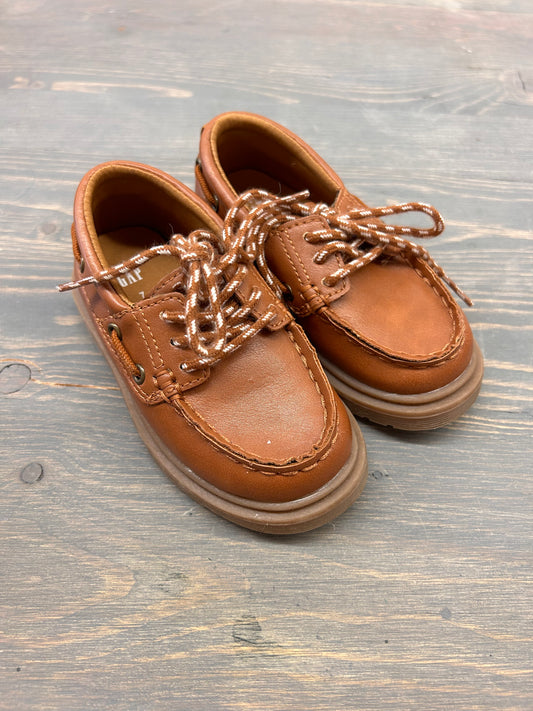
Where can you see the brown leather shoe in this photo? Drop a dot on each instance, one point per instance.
(393, 341)
(222, 385)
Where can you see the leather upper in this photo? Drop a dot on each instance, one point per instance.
(392, 324)
(262, 422)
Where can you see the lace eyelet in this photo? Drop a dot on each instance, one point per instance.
(82, 265)
(287, 292)
(174, 343)
(139, 379)
(113, 327)
(183, 366)
(305, 236)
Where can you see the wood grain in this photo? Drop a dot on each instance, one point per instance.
(116, 590)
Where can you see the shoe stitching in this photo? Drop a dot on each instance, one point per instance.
(457, 324)
(233, 455)
(331, 290)
(154, 364)
(400, 358)
(237, 450)
(285, 233)
(456, 338)
(313, 379)
(233, 450)
(302, 310)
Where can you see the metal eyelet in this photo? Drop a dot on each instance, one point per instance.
(139, 379)
(287, 292)
(82, 265)
(183, 366)
(113, 327)
(305, 236)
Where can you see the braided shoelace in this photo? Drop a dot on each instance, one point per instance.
(358, 243)
(215, 322)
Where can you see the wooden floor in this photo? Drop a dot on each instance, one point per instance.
(117, 591)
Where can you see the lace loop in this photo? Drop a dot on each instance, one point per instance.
(351, 235)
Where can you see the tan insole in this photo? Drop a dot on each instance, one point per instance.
(247, 178)
(120, 245)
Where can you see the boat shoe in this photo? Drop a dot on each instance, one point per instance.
(393, 341)
(222, 384)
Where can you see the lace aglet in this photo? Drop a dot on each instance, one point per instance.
(70, 285)
(64, 287)
(461, 294)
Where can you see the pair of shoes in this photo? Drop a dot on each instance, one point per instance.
(205, 322)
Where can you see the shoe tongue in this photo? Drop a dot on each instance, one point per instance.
(172, 282)
(345, 201)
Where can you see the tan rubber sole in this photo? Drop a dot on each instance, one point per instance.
(424, 411)
(305, 514)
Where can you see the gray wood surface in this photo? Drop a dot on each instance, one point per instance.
(118, 592)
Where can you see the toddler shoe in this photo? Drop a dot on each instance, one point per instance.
(393, 341)
(221, 383)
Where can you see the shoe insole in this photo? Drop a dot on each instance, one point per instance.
(120, 245)
(248, 178)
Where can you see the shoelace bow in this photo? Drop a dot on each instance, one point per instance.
(215, 324)
(358, 243)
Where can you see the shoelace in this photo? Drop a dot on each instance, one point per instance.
(358, 243)
(215, 322)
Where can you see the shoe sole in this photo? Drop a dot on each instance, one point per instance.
(305, 514)
(424, 411)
